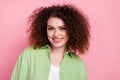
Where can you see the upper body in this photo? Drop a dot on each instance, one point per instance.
(57, 34)
(35, 65)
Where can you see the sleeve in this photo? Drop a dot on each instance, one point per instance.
(83, 72)
(21, 68)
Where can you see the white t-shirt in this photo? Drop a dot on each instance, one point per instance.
(54, 73)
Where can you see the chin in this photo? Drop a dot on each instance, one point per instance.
(58, 45)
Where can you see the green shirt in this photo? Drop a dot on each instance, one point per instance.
(34, 64)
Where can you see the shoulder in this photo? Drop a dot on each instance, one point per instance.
(25, 54)
(27, 51)
(31, 51)
(79, 62)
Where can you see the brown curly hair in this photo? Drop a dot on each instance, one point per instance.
(75, 20)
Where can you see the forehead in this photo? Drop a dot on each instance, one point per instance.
(55, 21)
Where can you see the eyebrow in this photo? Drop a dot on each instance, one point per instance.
(59, 26)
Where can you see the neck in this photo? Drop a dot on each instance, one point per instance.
(56, 55)
(58, 50)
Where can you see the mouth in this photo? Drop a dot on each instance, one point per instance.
(57, 40)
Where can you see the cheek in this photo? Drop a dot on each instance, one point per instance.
(49, 34)
(65, 34)
(49, 37)
(66, 37)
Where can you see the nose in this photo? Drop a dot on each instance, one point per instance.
(56, 33)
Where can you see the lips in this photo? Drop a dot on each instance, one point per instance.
(57, 40)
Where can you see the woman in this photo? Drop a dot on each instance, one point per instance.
(58, 34)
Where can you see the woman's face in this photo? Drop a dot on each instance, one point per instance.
(56, 32)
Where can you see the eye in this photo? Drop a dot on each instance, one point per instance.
(63, 27)
(50, 28)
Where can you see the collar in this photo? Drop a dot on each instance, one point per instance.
(68, 52)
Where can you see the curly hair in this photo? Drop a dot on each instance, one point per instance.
(76, 22)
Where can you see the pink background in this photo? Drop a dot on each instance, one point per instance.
(103, 58)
